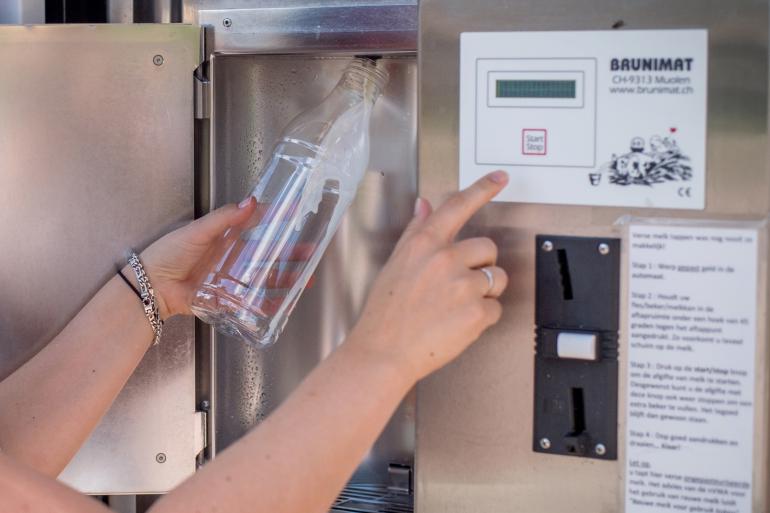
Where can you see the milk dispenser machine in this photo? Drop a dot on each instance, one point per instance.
(629, 371)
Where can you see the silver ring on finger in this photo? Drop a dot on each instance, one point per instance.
(490, 279)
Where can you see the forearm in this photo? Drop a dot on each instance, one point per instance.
(303, 454)
(23, 489)
(51, 404)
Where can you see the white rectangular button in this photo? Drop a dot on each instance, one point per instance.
(578, 346)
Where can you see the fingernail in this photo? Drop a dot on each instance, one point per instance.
(499, 177)
(245, 203)
(418, 205)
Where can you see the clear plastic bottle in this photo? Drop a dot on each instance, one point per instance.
(251, 280)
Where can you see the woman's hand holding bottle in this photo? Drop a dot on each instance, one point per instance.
(429, 303)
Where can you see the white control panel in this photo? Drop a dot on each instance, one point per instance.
(587, 118)
(538, 103)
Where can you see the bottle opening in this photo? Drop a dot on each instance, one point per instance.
(366, 76)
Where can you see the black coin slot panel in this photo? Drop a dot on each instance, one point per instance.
(576, 390)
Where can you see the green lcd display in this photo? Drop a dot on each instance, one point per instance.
(536, 88)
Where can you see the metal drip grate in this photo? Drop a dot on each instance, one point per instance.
(372, 498)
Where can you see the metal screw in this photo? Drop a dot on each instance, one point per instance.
(604, 249)
(227, 22)
(205, 405)
(600, 449)
(547, 245)
(545, 443)
(158, 60)
(160, 457)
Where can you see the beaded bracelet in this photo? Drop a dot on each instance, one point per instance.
(147, 295)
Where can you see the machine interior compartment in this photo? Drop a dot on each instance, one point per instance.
(253, 97)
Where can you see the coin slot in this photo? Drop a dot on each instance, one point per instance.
(578, 413)
(566, 280)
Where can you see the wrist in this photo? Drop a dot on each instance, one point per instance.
(129, 273)
(363, 354)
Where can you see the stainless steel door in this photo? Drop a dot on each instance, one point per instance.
(96, 156)
(474, 430)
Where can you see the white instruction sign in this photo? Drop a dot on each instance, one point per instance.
(587, 118)
(691, 352)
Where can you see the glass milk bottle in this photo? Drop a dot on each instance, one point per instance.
(252, 279)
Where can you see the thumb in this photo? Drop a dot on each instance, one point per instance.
(213, 224)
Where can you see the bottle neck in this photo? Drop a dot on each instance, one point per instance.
(364, 79)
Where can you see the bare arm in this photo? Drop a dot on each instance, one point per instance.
(23, 489)
(328, 423)
(426, 307)
(302, 455)
(50, 405)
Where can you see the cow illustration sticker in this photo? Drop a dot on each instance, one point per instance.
(662, 161)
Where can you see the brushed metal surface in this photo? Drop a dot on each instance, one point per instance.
(254, 98)
(302, 29)
(191, 8)
(474, 418)
(144, 11)
(120, 11)
(22, 11)
(96, 148)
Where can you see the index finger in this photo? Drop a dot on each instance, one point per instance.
(452, 215)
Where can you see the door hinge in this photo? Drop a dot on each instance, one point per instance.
(400, 478)
(200, 439)
(202, 98)
(201, 76)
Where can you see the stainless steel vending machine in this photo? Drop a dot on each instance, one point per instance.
(629, 371)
